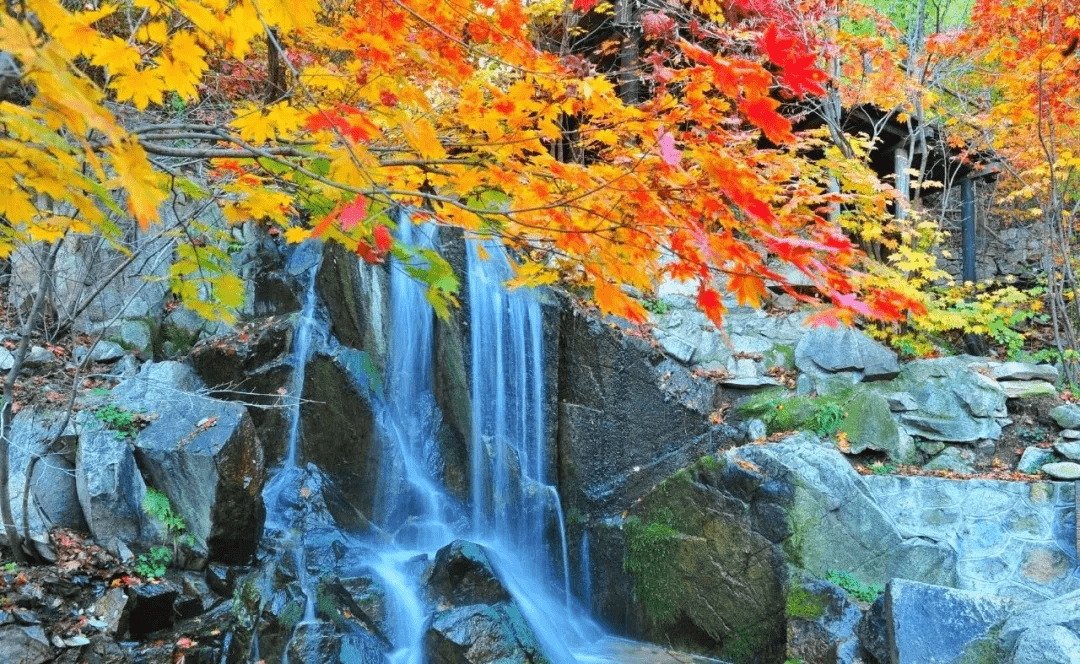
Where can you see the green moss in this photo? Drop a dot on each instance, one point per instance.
(982, 651)
(805, 605)
(651, 550)
(781, 411)
(783, 355)
(744, 646)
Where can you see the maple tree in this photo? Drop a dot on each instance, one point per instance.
(328, 115)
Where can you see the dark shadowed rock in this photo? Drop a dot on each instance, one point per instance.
(462, 574)
(151, 607)
(824, 627)
(24, 645)
(204, 455)
(873, 632)
(615, 392)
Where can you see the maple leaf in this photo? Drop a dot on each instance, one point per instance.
(711, 304)
(382, 238)
(762, 112)
(352, 214)
(296, 235)
(671, 156)
(584, 6)
(141, 87)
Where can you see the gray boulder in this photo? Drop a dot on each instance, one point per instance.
(1052, 645)
(1068, 449)
(1063, 470)
(1033, 459)
(953, 459)
(1010, 371)
(823, 351)
(53, 500)
(204, 455)
(109, 485)
(955, 403)
(834, 521)
(1067, 416)
(1027, 389)
(24, 645)
(1063, 612)
(935, 625)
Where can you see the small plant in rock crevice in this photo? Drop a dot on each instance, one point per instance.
(121, 422)
(153, 563)
(827, 419)
(864, 592)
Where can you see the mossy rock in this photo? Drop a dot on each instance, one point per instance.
(705, 579)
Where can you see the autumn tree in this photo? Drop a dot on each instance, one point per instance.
(316, 118)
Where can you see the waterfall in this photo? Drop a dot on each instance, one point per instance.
(515, 509)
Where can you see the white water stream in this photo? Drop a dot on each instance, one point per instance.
(515, 510)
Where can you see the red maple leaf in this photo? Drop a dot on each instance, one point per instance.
(584, 6)
(352, 214)
(762, 113)
(382, 238)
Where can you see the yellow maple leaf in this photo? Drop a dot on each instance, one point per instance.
(141, 87)
(115, 54)
(253, 123)
(138, 179)
(296, 235)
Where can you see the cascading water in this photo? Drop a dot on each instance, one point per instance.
(515, 509)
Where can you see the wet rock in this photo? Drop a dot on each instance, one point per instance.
(617, 390)
(1063, 470)
(221, 578)
(480, 634)
(935, 624)
(462, 574)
